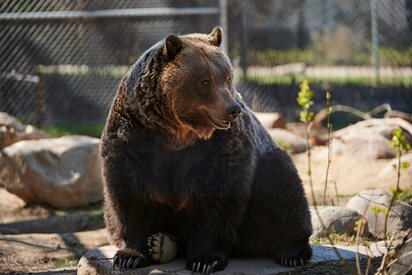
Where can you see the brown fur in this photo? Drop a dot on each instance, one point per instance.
(176, 160)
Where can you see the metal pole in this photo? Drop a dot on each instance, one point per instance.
(39, 102)
(223, 24)
(375, 37)
(108, 13)
(244, 39)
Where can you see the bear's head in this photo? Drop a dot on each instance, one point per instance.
(197, 80)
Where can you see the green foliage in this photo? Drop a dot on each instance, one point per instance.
(399, 142)
(94, 130)
(316, 56)
(304, 100)
(405, 165)
(330, 110)
(346, 195)
(67, 262)
(274, 57)
(379, 210)
(328, 97)
(401, 194)
(306, 116)
(83, 70)
(305, 95)
(271, 79)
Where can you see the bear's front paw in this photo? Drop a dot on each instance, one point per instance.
(129, 258)
(206, 264)
(295, 256)
(162, 248)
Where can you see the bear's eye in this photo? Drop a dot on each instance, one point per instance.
(229, 79)
(205, 82)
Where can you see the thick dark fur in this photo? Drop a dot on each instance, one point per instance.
(220, 193)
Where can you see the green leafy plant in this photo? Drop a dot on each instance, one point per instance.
(402, 194)
(94, 130)
(70, 261)
(401, 145)
(359, 228)
(305, 101)
(377, 210)
(329, 127)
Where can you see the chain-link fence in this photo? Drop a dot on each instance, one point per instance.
(375, 33)
(61, 61)
(359, 50)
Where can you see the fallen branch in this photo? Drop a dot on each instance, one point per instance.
(323, 114)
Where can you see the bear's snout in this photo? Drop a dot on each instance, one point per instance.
(233, 111)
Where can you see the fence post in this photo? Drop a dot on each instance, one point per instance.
(223, 24)
(244, 39)
(375, 38)
(39, 101)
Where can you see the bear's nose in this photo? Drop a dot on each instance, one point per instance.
(233, 111)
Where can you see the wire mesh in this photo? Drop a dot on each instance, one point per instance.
(329, 32)
(64, 70)
(59, 67)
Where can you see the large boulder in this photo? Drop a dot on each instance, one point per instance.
(371, 138)
(289, 141)
(372, 204)
(12, 131)
(368, 145)
(60, 172)
(335, 219)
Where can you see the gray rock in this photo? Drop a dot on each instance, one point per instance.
(400, 217)
(12, 131)
(60, 172)
(99, 261)
(371, 138)
(368, 145)
(288, 140)
(335, 219)
(403, 263)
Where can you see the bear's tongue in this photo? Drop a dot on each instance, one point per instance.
(219, 124)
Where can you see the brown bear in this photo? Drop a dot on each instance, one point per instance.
(183, 155)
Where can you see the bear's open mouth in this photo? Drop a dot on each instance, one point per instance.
(217, 123)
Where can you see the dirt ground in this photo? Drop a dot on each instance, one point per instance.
(56, 250)
(348, 175)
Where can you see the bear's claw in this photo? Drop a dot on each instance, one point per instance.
(129, 259)
(291, 262)
(294, 256)
(206, 266)
(161, 248)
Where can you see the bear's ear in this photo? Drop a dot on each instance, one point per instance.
(216, 36)
(173, 45)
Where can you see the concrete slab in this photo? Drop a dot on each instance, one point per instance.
(99, 261)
